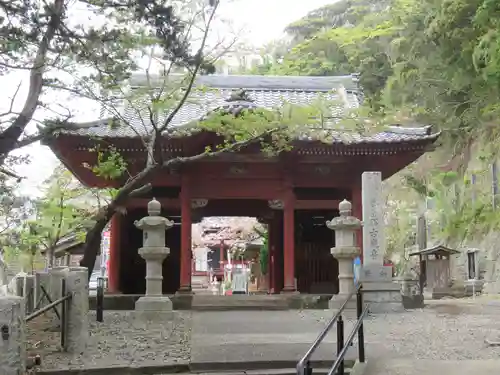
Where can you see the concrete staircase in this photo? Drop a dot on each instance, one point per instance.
(200, 285)
(239, 302)
(270, 368)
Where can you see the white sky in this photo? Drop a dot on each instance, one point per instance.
(262, 20)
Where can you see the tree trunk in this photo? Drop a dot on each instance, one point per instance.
(50, 257)
(93, 244)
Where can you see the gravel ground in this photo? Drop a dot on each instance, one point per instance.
(428, 367)
(447, 332)
(120, 340)
(438, 332)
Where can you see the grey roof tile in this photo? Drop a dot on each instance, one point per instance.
(385, 137)
(259, 83)
(268, 92)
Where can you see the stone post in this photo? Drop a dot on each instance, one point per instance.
(56, 274)
(12, 336)
(25, 285)
(154, 253)
(3, 272)
(18, 286)
(78, 312)
(345, 250)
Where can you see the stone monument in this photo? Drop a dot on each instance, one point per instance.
(154, 252)
(379, 290)
(345, 251)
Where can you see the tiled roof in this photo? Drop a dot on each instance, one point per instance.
(392, 134)
(267, 92)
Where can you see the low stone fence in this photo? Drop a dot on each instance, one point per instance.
(39, 289)
(13, 358)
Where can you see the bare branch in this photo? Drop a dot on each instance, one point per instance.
(199, 56)
(9, 173)
(12, 100)
(10, 135)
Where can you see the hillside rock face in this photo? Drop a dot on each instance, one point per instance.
(487, 261)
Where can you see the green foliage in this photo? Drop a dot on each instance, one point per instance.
(264, 255)
(15, 209)
(341, 38)
(336, 15)
(63, 209)
(284, 125)
(461, 209)
(264, 250)
(110, 163)
(434, 62)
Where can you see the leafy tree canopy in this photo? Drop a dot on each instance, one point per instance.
(433, 61)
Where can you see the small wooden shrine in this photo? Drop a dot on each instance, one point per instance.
(435, 266)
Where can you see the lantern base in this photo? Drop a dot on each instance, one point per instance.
(154, 304)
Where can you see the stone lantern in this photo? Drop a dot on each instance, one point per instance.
(345, 250)
(154, 253)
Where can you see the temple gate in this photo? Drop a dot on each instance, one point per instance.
(294, 192)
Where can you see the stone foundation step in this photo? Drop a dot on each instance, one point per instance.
(278, 367)
(289, 371)
(239, 302)
(283, 367)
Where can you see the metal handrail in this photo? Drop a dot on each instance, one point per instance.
(340, 356)
(321, 336)
(99, 308)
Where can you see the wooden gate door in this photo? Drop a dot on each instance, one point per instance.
(317, 270)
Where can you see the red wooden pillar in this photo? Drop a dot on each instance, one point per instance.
(270, 261)
(276, 245)
(114, 255)
(186, 223)
(289, 242)
(357, 211)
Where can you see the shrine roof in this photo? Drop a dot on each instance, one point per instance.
(267, 92)
(435, 250)
(70, 243)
